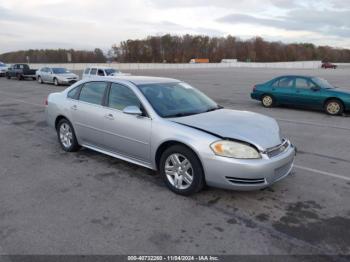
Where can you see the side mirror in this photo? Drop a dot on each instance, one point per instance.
(132, 110)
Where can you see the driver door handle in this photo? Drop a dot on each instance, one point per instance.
(109, 116)
(74, 107)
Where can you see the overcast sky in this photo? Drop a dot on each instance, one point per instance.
(88, 24)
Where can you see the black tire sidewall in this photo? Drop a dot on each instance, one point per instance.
(198, 177)
(74, 146)
(55, 82)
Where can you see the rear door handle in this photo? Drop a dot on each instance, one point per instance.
(74, 107)
(109, 116)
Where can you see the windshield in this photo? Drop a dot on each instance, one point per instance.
(2, 65)
(110, 71)
(177, 99)
(323, 83)
(60, 71)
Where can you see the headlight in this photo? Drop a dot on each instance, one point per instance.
(234, 149)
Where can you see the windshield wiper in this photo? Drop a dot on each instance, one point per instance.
(181, 114)
(214, 108)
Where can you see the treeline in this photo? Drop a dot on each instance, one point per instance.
(180, 49)
(54, 56)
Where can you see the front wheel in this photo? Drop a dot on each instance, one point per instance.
(334, 107)
(267, 101)
(40, 80)
(181, 170)
(55, 82)
(66, 136)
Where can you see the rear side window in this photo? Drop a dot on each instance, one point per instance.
(285, 82)
(100, 72)
(93, 71)
(121, 96)
(93, 92)
(73, 94)
(86, 70)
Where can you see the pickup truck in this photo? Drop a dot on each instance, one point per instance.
(20, 71)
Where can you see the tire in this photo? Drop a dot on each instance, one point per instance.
(40, 80)
(55, 82)
(34, 78)
(190, 180)
(66, 136)
(19, 77)
(334, 107)
(8, 76)
(267, 101)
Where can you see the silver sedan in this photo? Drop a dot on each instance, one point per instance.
(56, 76)
(167, 125)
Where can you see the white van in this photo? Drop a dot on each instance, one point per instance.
(91, 72)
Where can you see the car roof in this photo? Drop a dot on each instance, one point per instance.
(140, 80)
(305, 76)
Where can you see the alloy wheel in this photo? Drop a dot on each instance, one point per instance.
(267, 101)
(333, 108)
(179, 171)
(66, 135)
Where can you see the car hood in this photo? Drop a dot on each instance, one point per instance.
(340, 90)
(259, 130)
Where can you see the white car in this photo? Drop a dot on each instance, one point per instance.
(92, 72)
(56, 76)
(3, 69)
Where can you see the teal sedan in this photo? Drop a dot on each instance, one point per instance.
(303, 91)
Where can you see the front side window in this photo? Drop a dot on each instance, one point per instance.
(111, 71)
(100, 72)
(86, 70)
(303, 83)
(121, 96)
(177, 99)
(93, 71)
(93, 92)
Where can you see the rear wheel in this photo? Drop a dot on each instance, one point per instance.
(66, 136)
(8, 76)
(181, 170)
(19, 77)
(334, 107)
(267, 101)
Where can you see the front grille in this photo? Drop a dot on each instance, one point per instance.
(246, 181)
(282, 171)
(275, 151)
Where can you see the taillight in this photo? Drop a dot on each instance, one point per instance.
(46, 103)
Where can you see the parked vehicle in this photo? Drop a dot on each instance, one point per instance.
(327, 65)
(92, 72)
(167, 125)
(3, 69)
(20, 71)
(303, 91)
(56, 76)
(199, 60)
